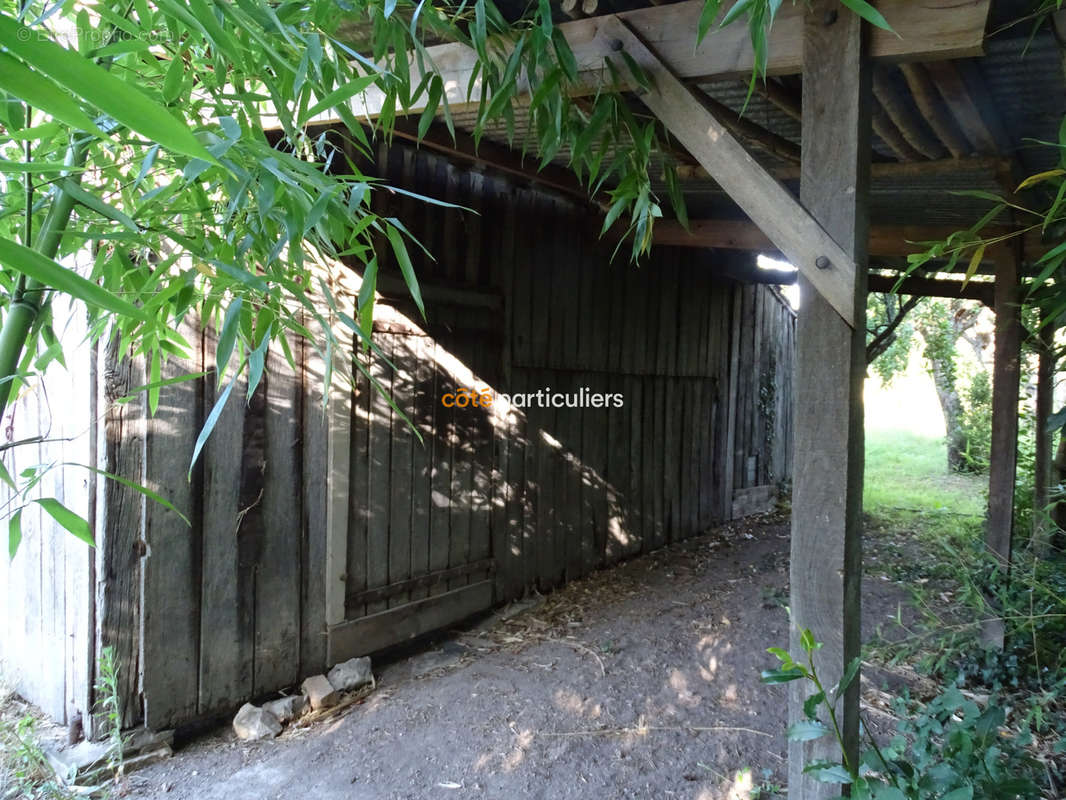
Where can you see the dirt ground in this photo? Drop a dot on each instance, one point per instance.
(641, 681)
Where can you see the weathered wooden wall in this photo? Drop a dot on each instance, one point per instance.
(523, 296)
(227, 607)
(45, 595)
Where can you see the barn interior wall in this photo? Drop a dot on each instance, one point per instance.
(522, 296)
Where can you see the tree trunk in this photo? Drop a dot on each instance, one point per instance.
(950, 404)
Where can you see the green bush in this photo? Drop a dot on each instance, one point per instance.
(950, 748)
(975, 423)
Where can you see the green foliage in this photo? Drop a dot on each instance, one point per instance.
(24, 768)
(950, 749)
(881, 312)
(109, 710)
(975, 423)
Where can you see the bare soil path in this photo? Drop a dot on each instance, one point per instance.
(641, 681)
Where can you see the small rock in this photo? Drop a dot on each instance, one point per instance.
(320, 692)
(253, 723)
(351, 674)
(288, 708)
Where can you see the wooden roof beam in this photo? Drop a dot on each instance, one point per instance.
(956, 86)
(933, 29)
(828, 267)
(885, 240)
(888, 170)
(905, 116)
(933, 287)
(927, 98)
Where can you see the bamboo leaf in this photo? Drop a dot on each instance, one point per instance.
(227, 337)
(869, 13)
(338, 96)
(707, 17)
(42, 93)
(404, 260)
(75, 524)
(144, 490)
(14, 533)
(34, 265)
(99, 206)
(212, 420)
(257, 363)
(1040, 177)
(975, 262)
(126, 103)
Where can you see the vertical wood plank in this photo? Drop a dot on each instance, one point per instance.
(425, 404)
(277, 582)
(314, 464)
(399, 476)
(226, 590)
(172, 566)
(377, 543)
(827, 503)
(441, 478)
(120, 540)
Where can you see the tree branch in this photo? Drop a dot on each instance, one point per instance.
(883, 340)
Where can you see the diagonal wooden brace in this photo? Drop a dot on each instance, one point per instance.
(770, 205)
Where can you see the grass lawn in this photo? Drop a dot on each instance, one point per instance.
(907, 471)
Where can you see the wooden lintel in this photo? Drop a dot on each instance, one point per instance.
(770, 205)
(892, 170)
(933, 287)
(885, 241)
(934, 29)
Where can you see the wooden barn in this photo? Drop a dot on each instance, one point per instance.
(326, 527)
(323, 532)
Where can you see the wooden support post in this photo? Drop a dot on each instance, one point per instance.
(1040, 538)
(999, 524)
(826, 558)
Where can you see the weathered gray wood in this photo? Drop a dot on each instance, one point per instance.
(753, 500)
(277, 576)
(1003, 455)
(226, 590)
(172, 567)
(359, 476)
(373, 633)
(120, 543)
(420, 582)
(377, 541)
(440, 484)
(826, 557)
(423, 409)
(770, 206)
(399, 476)
(314, 461)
